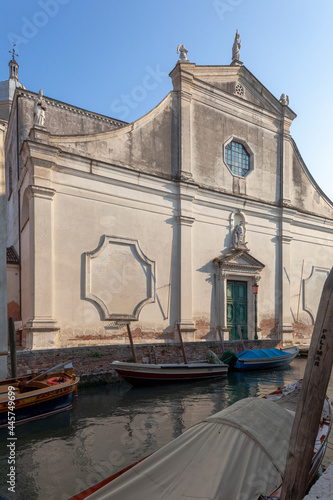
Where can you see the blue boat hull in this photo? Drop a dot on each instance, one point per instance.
(42, 409)
(259, 363)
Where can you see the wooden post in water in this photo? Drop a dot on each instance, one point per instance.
(221, 335)
(241, 337)
(308, 413)
(131, 342)
(12, 344)
(181, 343)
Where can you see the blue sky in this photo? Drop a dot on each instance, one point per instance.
(114, 57)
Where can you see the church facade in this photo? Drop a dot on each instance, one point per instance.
(200, 214)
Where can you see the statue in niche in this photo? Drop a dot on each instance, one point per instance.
(182, 53)
(238, 236)
(284, 100)
(236, 47)
(39, 110)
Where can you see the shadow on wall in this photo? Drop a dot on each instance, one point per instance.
(208, 330)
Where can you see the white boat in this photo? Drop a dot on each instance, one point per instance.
(144, 373)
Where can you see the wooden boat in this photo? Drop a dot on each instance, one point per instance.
(239, 453)
(259, 359)
(37, 395)
(144, 373)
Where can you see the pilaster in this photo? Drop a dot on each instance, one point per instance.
(285, 235)
(185, 221)
(285, 321)
(182, 79)
(286, 159)
(222, 301)
(41, 328)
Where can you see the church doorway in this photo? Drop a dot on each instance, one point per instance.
(237, 308)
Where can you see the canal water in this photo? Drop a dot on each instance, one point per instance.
(112, 426)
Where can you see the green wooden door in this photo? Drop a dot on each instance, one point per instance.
(236, 308)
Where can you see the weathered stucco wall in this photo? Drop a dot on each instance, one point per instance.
(62, 119)
(145, 145)
(212, 128)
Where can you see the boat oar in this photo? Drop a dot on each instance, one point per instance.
(43, 374)
(309, 408)
(181, 343)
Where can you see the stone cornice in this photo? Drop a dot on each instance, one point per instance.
(41, 192)
(73, 109)
(285, 239)
(185, 220)
(40, 154)
(197, 186)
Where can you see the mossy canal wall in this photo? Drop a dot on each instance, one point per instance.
(93, 364)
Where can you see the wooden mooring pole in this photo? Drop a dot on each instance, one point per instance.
(131, 342)
(221, 335)
(181, 343)
(308, 413)
(241, 337)
(12, 345)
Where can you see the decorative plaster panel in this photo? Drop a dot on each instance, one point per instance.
(313, 287)
(120, 279)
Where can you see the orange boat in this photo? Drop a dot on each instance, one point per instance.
(37, 395)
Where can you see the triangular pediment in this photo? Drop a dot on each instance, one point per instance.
(240, 261)
(241, 83)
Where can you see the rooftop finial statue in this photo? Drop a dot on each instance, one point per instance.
(39, 110)
(236, 47)
(284, 100)
(182, 53)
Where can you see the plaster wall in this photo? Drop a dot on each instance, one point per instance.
(146, 145)
(85, 209)
(212, 128)
(305, 194)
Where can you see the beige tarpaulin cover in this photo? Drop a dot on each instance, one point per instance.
(237, 454)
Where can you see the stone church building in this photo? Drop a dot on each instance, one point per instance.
(201, 213)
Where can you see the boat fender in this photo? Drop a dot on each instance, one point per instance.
(56, 380)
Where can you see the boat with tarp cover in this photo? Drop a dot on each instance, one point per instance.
(238, 453)
(259, 359)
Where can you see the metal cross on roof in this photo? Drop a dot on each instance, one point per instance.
(13, 51)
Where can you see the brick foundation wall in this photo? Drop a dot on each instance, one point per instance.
(96, 360)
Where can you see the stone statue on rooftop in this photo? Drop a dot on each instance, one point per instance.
(236, 47)
(284, 100)
(182, 53)
(39, 110)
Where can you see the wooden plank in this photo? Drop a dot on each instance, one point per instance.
(181, 343)
(308, 413)
(131, 342)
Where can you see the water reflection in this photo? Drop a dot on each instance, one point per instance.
(113, 426)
